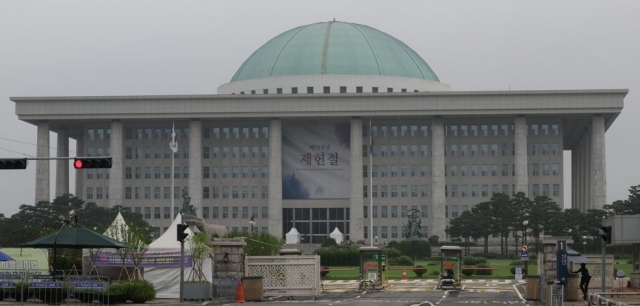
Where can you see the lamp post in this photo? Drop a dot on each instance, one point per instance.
(584, 245)
(524, 244)
(252, 223)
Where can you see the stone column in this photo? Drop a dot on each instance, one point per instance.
(195, 165)
(437, 219)
(521, 158)
(116, 177)
(587, 167)
(62, 166)
(581, 174)
(275, 178)
(356, 220)
(598, 163)
(42, 166)
(79, 173)
(233, 267)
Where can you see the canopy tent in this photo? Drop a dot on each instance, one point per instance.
(75, 237)
(337, 235)
(166, 280)
(293, 236)
(575, 256)
(5, 257)
(117, 228)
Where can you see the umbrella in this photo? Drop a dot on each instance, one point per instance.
(5, 257)
(76, 237)
(575, 256)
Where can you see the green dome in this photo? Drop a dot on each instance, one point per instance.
(334, 47)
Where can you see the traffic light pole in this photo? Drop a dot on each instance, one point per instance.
(604, 266)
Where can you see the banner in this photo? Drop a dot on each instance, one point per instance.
(36, 261)
(316, 161)
(159, 260)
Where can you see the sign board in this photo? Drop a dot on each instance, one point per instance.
(620, 274)
(518, 272)
(372, 275)
(524, 248)
(524, 256)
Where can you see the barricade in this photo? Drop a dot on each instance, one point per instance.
(45, 289)
(11, 288)
(89, 290)
(225, 288)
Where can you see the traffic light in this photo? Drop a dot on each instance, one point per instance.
(12, 164)
(87, 163)
(606, 234)
(181, 234)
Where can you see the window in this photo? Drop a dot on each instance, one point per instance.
(374, 89)
(555, 169)
(294, 90)
(310, 89)
(554, 149)
(358, 89)
(535, 169)
(424, 191)
(394, 211)
(326, 89)
(556, 190)
(554, 129)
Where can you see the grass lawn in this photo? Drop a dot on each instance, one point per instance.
(501, 272)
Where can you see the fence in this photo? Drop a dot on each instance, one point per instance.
(286, 275)
(73, 289)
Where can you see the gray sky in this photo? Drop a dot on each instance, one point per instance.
(75, 48)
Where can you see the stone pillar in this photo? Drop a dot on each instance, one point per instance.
(356, 220)
(521, 158)
(234, 250)
(598, 163)
(62, 166)
(195, 165)
(275, 178)
(42, 166)
(587, 175)
(116, 177)
(581, 174)
(79, 173)
(437, 219)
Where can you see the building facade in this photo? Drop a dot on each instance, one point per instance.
(329, 125)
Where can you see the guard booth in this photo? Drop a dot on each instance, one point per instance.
(450, 268)
(373, 265)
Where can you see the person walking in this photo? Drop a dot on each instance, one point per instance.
(584, 279)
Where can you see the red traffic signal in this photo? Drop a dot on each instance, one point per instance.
(88, 163)
(181, 234)
(13, 164)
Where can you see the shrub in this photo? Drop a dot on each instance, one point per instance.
(140, 291)
(393, 253)
(516, 263)
(432, 264)
(419, 270)
(469, 261)
(435, 272)
(414, 248)
(403, 260)
(483, 271)
(324, 271)
(488, 255)
(481, 260)
(339, 256)
(468, 272)
(329, 242)
(513, 270)
(433, 240)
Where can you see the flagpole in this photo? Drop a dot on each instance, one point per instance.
(370, 185)
(173, 155)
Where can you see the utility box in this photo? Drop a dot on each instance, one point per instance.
(252, 286)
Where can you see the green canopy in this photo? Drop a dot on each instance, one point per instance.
(76, 237)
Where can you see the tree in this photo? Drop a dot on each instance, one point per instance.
(542, 213)
(484, 221)
(199, 250)
(260, 244)
(464, 226)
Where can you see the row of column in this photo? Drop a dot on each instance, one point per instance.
(588, 170)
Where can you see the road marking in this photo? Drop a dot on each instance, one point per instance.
(519, 294)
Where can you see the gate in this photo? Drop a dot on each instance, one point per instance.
(286, 275)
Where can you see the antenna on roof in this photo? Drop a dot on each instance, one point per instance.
(334, 18)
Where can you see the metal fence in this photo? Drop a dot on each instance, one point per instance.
(73, 289)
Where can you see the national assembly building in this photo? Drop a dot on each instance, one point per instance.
(327, 125)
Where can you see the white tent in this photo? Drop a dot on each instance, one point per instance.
(166, 281)
(117, 228)
(337, 235)
(293, 236)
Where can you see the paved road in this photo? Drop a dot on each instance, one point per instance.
(410, 293)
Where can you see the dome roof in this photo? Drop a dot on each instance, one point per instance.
(334, 48)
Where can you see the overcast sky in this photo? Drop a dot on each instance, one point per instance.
(76, 48)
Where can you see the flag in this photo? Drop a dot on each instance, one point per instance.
(370, 146)
(174, 141)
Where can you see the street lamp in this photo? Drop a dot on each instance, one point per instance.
(584, 245)
(524, 244)
(376, 240)
(251, 223)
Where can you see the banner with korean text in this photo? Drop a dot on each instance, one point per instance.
(36, 261)
(316, 161)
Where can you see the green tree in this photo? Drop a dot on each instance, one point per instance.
(484, 220)
(465, 227)
(198, 247)
(260, 244)
(542, 213)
